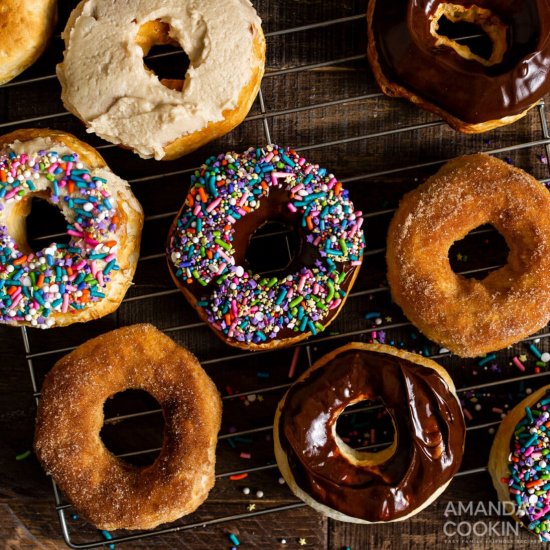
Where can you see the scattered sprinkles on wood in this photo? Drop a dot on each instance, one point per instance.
(60, 278)
(239, 303)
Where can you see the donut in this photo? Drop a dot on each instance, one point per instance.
(370, 487)
(26, 27)
(518, 463)
(467, 316)
(232, 196)
(411, 57)
(105, 490)
(105, 43)
(64, 283)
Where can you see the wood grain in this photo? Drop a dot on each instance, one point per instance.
(27, 515)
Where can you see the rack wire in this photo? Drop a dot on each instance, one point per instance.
(266, 116)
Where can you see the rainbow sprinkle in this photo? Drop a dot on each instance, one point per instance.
(61, 278)
(529, 482)
(244, 305)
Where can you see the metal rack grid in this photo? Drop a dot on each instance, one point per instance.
(265, 116)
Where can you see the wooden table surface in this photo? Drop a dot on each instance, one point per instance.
(319, 96)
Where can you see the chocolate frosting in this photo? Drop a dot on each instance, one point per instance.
(466, 89)
(428, 442)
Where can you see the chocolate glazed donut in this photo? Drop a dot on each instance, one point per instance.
(362, 487)
(412, 58)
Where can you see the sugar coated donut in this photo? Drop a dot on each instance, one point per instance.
(105, 490)
(105, 43)
(467, 316)
(413, 57)
(518, 463)
(232, 196)
(26, 27)
(64, 283)
(370, 487)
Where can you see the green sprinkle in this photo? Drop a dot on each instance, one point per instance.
(223, 244)
(23, 456)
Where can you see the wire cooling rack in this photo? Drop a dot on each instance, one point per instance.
(359, 299)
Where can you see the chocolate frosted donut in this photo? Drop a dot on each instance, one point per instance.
(364, 487)
(412, 58)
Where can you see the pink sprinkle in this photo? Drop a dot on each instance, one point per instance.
(93, 267)
(269, 157)
(294, 362)
(315, 288)
(518, 364)
(223, 265)
(65, 305)
(297, 188)
(335, 303)
(497, 410)
(214, 204)
(11, 194)
(100, 278)
(372, 436)
(80, 265)
(224, 255)
(109, 258)
(352, 231)
(467, 414)
(234, 309)
(69, 167)
(359, 223)
(16, 301)
(53, 168)
(529, 451)
(231, 219)
(197, 209)
(75, 233)
(356, 262)
(308, 169)
(245, 455)
(78, 226)
(291, 207)
(301, 283)
(242, 212)
(290, 293)
(317, 241)
(91, 242)
(243, 198)
(333, 181)
(301, 161)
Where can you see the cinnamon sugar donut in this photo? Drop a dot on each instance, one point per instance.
(467, 316)
(107, 491)
(64, 283)
(105, 43)
(26, 27)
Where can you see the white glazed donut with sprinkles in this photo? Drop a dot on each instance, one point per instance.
(64, 283)
(231, 196)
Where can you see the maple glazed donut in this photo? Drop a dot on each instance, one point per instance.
(412, 57)
(105, 43)
(64, 283)
(518, 462)
(108, 491)
(471, 317)
(233, 195)
(366, 487)
(26, 27)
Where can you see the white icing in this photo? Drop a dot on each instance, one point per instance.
(106, 84)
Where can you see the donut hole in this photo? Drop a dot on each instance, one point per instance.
(282, 242)
(163, 56)
(366, 430)
(43, 223)
(129, 429)
(467, 34)
(480, 247)
(474, 33)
